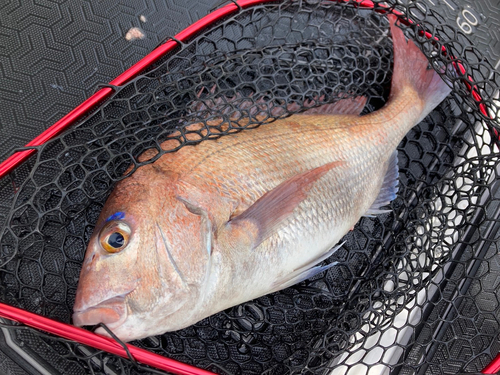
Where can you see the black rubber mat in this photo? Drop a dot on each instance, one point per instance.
(54, 54)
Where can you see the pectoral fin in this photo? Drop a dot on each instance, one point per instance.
(263, 218)
(305, 272)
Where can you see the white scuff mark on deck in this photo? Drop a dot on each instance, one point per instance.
(134, 33)
(56, 86)
(143, 18)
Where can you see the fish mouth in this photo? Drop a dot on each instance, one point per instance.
(112, 312)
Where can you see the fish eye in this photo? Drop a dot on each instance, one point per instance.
(114, 236)
(116, 240)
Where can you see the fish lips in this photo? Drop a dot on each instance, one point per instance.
(112, 312)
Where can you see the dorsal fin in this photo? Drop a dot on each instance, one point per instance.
(349, 106)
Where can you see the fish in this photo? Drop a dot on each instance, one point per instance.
(228, 220)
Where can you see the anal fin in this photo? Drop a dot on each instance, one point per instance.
(388, 190)
(305, 272)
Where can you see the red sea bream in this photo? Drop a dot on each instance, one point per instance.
(228, 220)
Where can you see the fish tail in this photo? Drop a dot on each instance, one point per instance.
(410, 69)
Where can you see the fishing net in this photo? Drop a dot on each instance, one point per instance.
(415, 290)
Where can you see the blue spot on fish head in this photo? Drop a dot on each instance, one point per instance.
(116, 216)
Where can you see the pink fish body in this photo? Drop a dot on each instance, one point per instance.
(229, 220)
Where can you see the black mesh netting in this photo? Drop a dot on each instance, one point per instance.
(416, 290)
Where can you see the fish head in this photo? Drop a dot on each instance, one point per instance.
(145, 263)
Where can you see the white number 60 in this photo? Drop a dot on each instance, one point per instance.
(469, 20)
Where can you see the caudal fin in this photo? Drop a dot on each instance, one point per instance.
(410, 68)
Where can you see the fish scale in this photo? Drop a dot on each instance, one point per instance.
(333, 193)
(280, 161)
